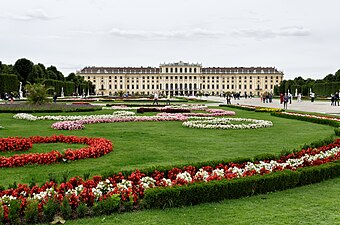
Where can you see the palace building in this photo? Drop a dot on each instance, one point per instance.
(182, 79)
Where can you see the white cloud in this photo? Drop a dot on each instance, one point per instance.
(264, 34)
(177, 34)
(30, 15)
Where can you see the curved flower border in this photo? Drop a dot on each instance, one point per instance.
(313, 116)
(78, 125)
(97, 147)
(226, 123)
(133, 187)
(26, 116)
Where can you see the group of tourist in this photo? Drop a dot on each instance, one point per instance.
(267, 97)
(335, 99)
(8, 97)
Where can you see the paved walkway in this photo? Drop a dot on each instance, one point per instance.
(306, 106)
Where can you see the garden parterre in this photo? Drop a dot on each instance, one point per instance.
(147, 181)
(131, 189)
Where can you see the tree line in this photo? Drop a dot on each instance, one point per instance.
(26, 71)
(322, 87)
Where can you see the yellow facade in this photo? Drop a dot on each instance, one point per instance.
(182, 79)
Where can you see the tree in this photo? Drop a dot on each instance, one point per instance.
(23, 68)
(37, 93)
(53, 73)
(38, 74)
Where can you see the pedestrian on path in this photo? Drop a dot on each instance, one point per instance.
(285, 101)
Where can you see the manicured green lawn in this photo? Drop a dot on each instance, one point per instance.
(145, 144)
(312, 204)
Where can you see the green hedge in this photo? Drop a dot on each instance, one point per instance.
(309, 119)
(215, 191)
(237, 107)
(326, 89)
(9, 83)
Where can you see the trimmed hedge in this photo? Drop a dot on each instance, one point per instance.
(48, 108)
(215, 191)
(167, 110)
(9, 83)
(238, 107)
(308, 119)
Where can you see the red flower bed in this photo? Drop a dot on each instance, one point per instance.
(15, 144)
(97, 147)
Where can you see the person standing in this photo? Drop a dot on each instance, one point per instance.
(312, 96)
(281, 98)
(155, 98)
(290, 96)
(285, 101)
(336, 98)
(299, 97)
(55, 98)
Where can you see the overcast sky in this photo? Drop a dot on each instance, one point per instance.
(299, 37)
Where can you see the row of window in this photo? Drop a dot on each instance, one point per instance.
(185, 77)
(180, 70)
(183, 86)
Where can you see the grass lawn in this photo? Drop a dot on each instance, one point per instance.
(145, 144)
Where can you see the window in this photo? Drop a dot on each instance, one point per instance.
(240, 87)
(185, 70)
(180, 70)
(175, 70)
(189, 70)
(110, 86)
(194, 70)
(245, 86)
(166, 70)
(171, 70)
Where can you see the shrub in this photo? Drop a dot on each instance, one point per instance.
(66, 209)
(32, 212)
(37, 93)
(337, 131)
(2, 214)
(9, 83)
(50, 209)
(195, 193)
(107, 206)
(82, 210)
(14, 211)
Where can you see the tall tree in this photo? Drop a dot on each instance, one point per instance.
(52, 71)
(23, 67)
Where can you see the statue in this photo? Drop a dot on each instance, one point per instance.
(20, 90)
(62, 92)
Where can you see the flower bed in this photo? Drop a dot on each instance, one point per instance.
(162, 109)
(226, 123)
(47, 108)
(253, 108)
(97, 147)
(211, 113)
(25, 116)
(78, 125)
(332, 121)
(189, 181)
